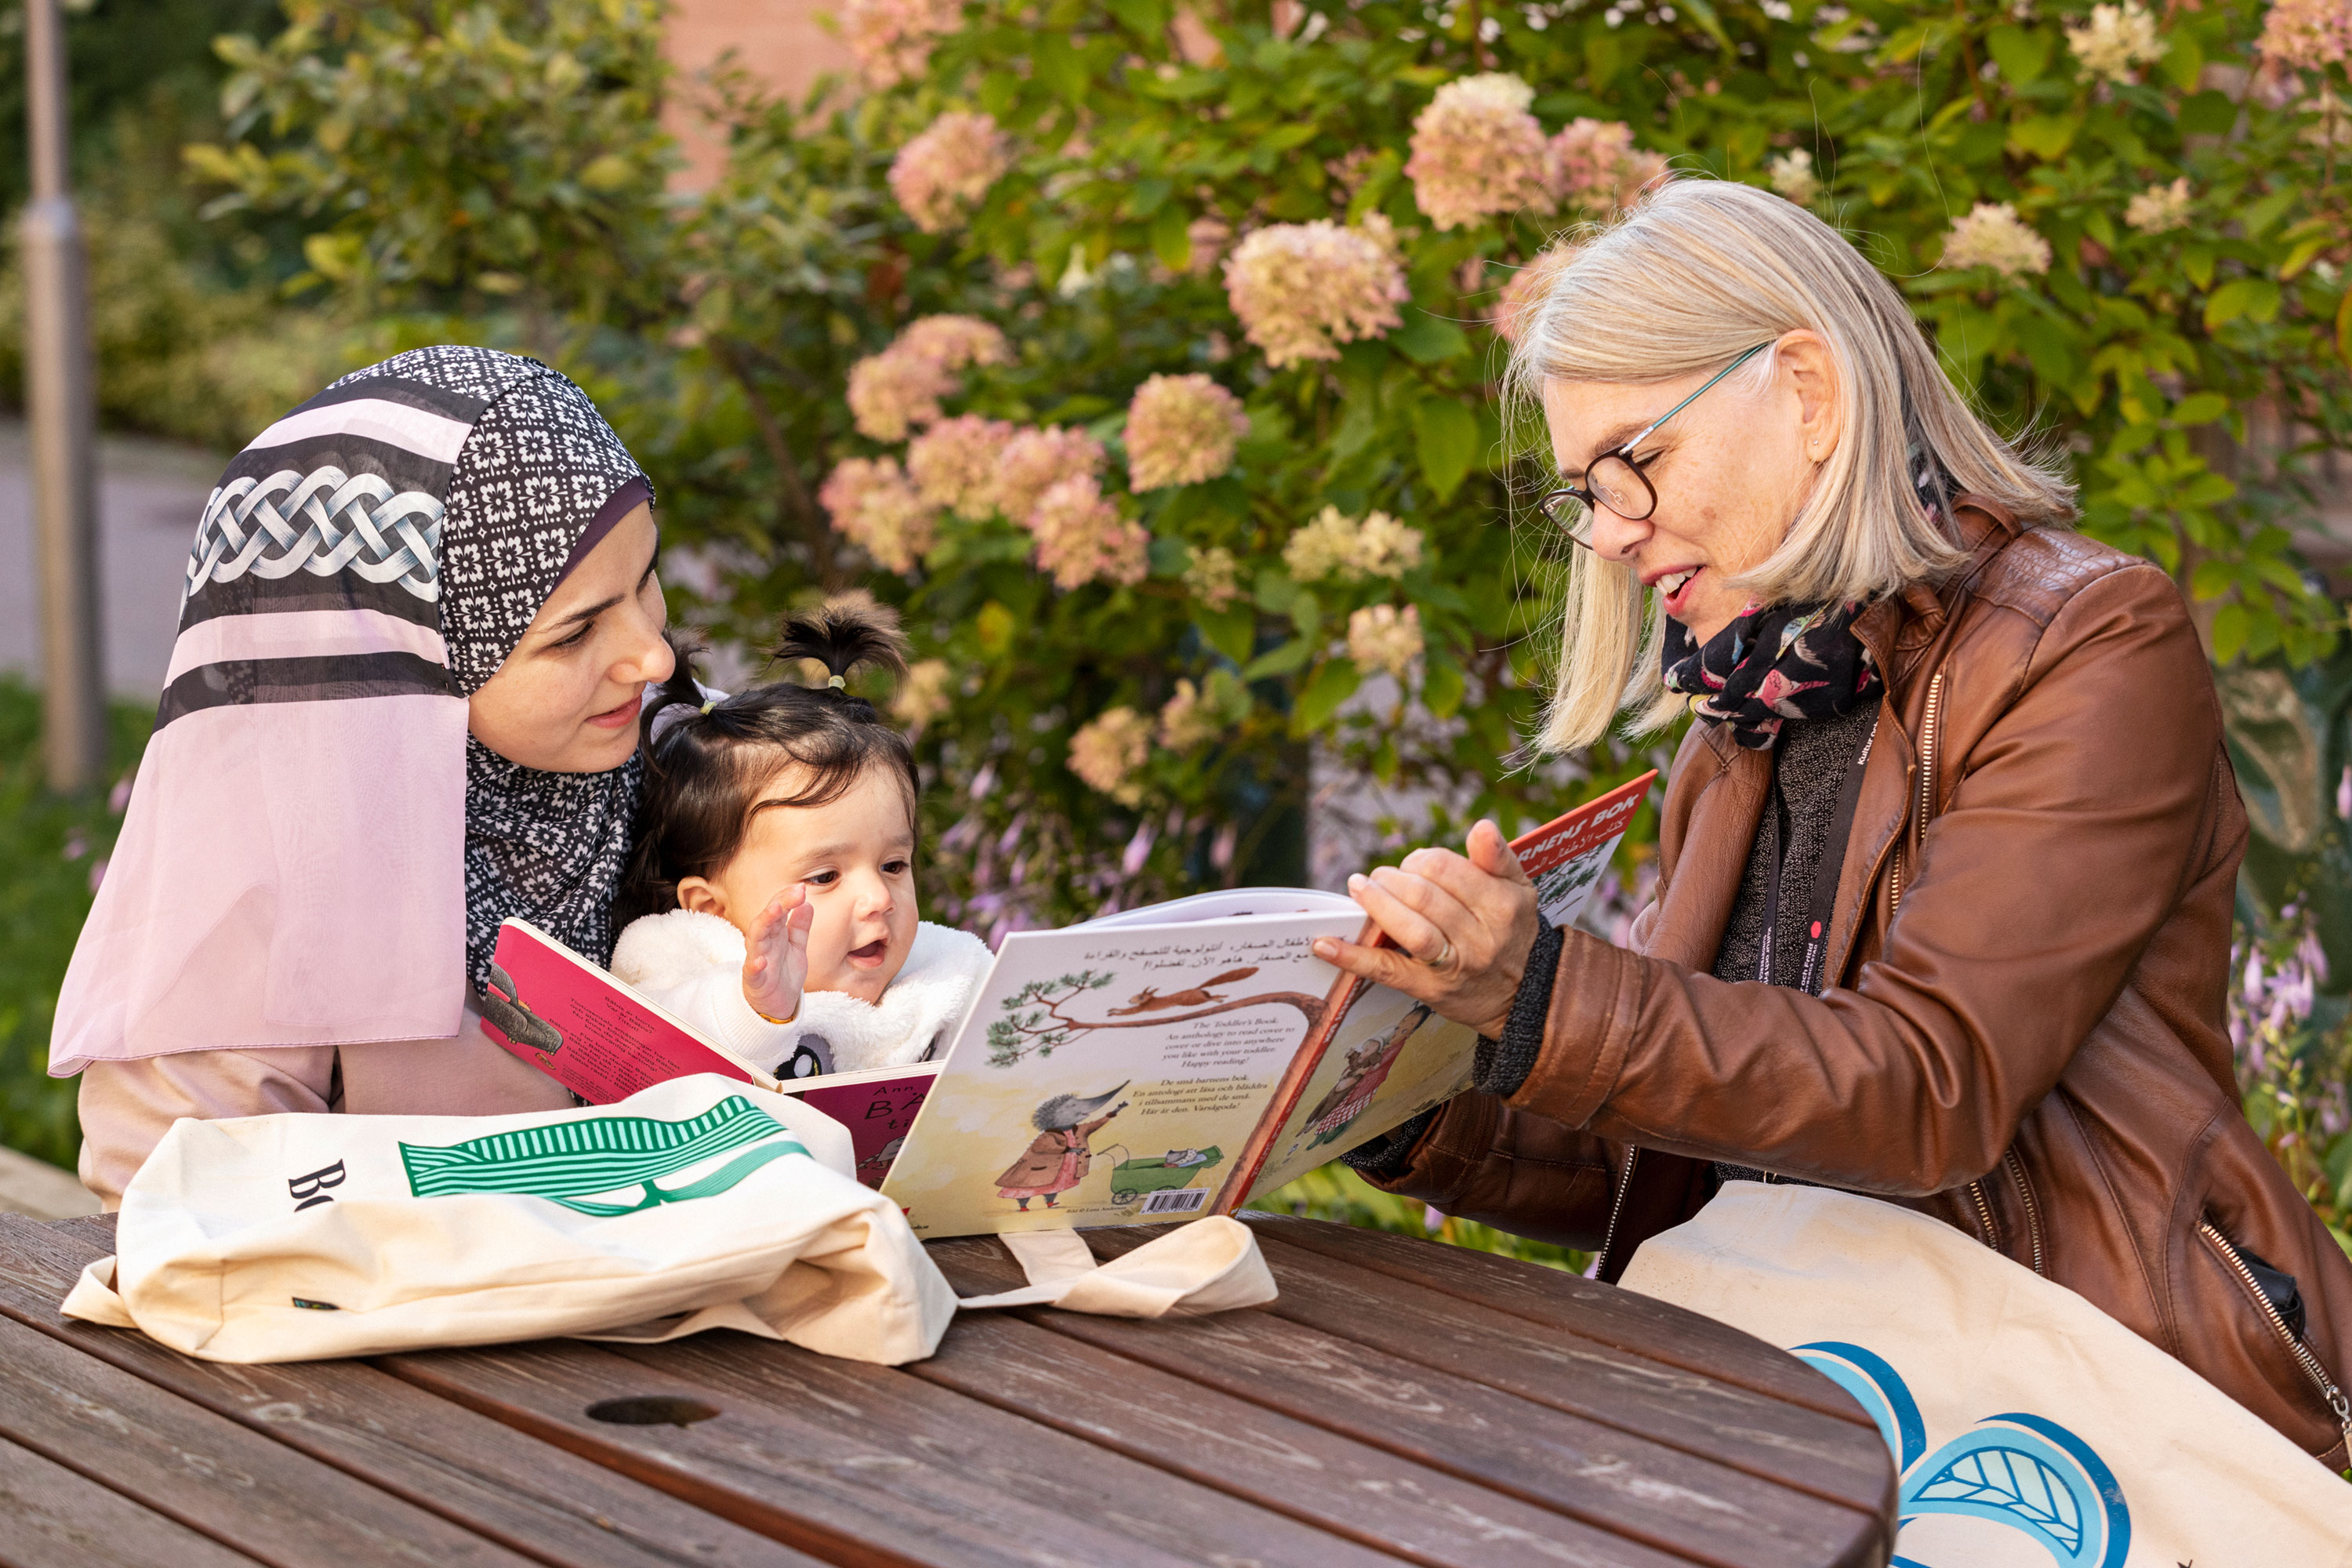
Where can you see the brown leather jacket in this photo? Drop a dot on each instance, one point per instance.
(2023, 1033)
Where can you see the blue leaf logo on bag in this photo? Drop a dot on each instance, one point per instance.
(2019, 1470)
(570, 1162)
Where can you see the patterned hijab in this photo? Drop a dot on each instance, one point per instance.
(317, 851)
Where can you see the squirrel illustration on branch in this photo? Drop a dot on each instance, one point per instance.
(1035, 1022)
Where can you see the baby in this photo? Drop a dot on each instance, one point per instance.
(774, 879)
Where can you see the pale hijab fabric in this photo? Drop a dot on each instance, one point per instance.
(316, 851)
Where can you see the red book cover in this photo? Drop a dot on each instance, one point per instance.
(603, 1040)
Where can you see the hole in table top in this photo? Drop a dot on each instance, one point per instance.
(652, 1410)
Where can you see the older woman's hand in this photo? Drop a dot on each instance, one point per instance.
(1463, 922)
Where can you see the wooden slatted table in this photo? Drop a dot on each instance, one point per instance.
(1404, 1402)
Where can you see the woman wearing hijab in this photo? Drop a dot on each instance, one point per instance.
(401, 707)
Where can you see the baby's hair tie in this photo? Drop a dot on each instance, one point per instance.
(706, 707)
(838, 683)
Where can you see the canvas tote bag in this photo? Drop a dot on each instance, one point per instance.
(2028, 1425)
(701, 1203)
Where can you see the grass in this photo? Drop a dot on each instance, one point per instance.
(49, 847)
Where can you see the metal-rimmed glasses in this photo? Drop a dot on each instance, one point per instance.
(1616, 478)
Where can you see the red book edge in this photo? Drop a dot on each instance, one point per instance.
(1293, 1083)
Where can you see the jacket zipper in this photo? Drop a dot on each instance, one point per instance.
(1616, 1207)
(1929, 721)
(1975, 1194)
(2336, 1402)
(2015, 1164)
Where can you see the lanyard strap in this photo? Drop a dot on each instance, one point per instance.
(1825, 878)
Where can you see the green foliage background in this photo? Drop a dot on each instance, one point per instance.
(497, 172)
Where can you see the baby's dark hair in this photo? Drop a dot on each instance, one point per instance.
(706, 767)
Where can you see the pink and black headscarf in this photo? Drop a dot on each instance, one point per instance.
(317, 852)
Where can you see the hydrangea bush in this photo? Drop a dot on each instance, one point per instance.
(1147, 357)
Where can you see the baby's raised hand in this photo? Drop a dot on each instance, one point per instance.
(775, 955)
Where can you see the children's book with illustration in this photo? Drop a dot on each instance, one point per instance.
(605, 1040)
(1162, 1063)
(1173, 1061)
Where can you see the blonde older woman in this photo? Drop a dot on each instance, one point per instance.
(1947, 862)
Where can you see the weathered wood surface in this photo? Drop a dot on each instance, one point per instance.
(1402, 1402)
(1828, 1457)
(1584, 1308)
(1703, 1510)
(52, 1518)
(441, 1457)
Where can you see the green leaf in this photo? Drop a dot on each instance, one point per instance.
(2255, 297)
(2229, 632)
(1172, 236)
(1306, 614)
(2202, 408)
(1146, 19)
(2183, 61)
(1425, 339)
(1709, 23)
(2303, 255)
(2020, 53)
(2344, 328)
(1291, 655)
(2255, 221)
(1060, 67)
(1441, 686)
(2207, 114)
(2211, 580)
(1231, 631)
(995, 626)
(1330, 686)
(2045, 136)
(1447, 438)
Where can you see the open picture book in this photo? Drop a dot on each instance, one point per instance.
(1161, 1063)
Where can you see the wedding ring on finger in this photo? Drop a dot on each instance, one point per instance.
(1444, 957)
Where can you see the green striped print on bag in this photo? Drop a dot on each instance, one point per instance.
(568, 1161)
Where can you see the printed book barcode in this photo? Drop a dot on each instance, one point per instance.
(1182, 1200)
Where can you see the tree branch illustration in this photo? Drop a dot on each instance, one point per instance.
(1035, 1023)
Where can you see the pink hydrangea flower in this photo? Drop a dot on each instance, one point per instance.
(1992, 235)
(1181, 430)
(2307, 34)
(1081, 536)
(875, 507)
(1599, 167)
(1302, 289)
(1108, 753)
(953, 464)
(1187, 718)
(954, 342)
(1476, 150)
(899, 389)
(891, 40)
(928, 693)
(1214, 577)
(1527, 288)
(1034, 461)
(893, 392)
(1382, 637)
(945, 172)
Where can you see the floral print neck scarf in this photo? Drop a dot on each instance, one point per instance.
(1771, 664)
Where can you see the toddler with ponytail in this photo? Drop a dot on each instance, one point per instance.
(771, 896)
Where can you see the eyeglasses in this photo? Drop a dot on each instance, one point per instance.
(1616, 478)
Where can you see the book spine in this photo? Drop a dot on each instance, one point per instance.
(1292, 1086)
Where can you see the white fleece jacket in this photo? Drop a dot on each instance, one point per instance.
(692, 965)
